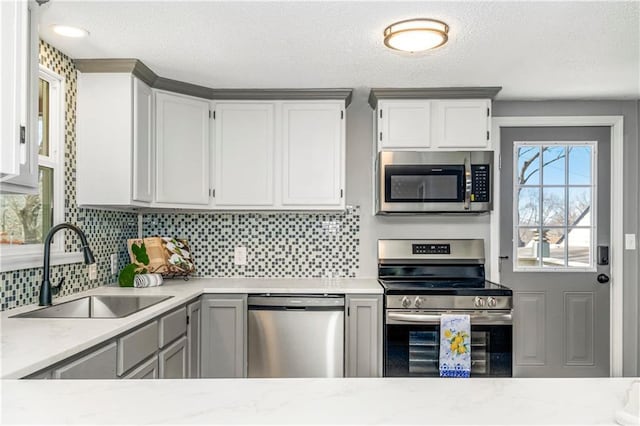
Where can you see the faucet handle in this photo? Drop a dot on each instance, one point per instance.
(56, 289)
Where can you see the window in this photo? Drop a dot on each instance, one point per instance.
(26, 219)
(554, 206)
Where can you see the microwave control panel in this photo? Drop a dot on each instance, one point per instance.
(480, 185)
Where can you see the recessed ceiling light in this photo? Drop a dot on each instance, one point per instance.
(68, 31)
(416, 35)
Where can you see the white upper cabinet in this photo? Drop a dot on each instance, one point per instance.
(279, 155)
(114, 140)
(404, 124)
(313, 154)
(443, 118)
(461, 123)
(182, 150)
(244, 155)
(18, 97)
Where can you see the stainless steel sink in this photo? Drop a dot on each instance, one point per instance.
(96, 307)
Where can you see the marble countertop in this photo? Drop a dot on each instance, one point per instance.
(314, 401)
(31, 344)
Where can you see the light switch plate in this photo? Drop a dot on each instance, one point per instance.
(114, 263)
(240, 256)
(93, 272)
(630, 241)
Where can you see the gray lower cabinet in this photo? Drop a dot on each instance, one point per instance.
(194, 313)
(137, 346)
(172, 360)
(146, 370)
(363, 349)
(224, 335)
(99, 364)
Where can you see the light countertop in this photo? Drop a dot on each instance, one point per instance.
(314, 401)
(31, 344)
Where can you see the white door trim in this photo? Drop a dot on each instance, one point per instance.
(617, 248)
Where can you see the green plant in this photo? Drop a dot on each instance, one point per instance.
(128, 273)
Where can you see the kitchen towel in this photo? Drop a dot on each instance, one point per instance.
(455, 346)
(147, 280)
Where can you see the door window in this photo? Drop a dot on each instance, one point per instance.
(554, 209)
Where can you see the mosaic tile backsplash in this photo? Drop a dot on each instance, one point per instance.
(106, 232)
(294, 245)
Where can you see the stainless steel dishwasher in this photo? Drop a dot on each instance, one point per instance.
(296, 336)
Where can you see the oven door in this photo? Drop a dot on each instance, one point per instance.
(413, 182)
(412, 344)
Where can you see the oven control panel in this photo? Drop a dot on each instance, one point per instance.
(431, 248)
(443, 302)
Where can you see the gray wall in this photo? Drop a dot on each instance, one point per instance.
(360, 152)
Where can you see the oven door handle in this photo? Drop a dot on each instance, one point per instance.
(501, 318)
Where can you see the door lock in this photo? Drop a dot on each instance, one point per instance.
(603, 278)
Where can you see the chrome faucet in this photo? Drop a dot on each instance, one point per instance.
(45, 288)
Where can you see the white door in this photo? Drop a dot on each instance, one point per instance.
(404, 124)
(559, 181)
(182, 149)
(142, 142)
(244, 154)
(461, 123)
(312, 153)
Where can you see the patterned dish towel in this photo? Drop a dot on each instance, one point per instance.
(455, 346)
(147, 280)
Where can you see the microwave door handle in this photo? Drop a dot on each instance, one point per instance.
(467, 181)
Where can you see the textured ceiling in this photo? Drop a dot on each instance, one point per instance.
(534, 50)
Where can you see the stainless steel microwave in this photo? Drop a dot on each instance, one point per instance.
(434, 182)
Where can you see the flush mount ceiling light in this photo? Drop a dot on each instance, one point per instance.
(69, 31)
(416, 35)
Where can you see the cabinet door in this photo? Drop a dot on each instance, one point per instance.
(312, 154)
(173, 360)
(142, 142)
(182, 149)
(364, 336)
(224, 331)
(194, 311)
(461, 123)
(18, 97)
(404, 124)
(244, 154)
(146, 370)
(100, 364)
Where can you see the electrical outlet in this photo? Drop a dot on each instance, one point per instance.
(93, 271)
(240, 256)
(114, 263)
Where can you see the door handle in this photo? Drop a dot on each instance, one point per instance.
(603, 278)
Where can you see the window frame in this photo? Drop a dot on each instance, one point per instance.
(31, 255)
(594, 207)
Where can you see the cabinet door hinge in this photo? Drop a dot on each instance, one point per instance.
(499, 161)
(488, 113)
(23, 135)
(212, 193)
(487, 135)
(348, 310)
(341, 115)
(380, 113)
(341, 193)
(380, 135)
(212, 114)
(187, 319)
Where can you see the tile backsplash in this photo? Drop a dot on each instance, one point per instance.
(282, 244)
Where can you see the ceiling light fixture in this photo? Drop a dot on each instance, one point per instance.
(68, 31)
(416, 35)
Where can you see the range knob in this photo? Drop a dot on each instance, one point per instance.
(418, 302)
(478, 302)
(492, 302)
(405, 302)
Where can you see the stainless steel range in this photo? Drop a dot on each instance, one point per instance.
(424, 279)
